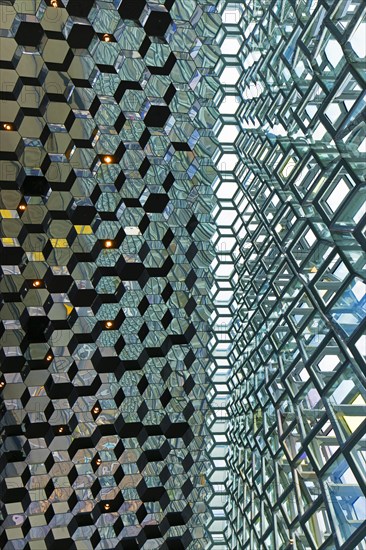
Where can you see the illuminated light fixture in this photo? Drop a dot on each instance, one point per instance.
(7, 126)
(61, 429)
(108, 324)
(22, 207)
(54, 3)
(106, 37)
(96, 410)
(49, 357)
(98, 462)
(37, 283)
(108, 244)
(107, 159)
(107, 506)
(2, 384)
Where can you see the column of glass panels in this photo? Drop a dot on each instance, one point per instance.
(105, 202)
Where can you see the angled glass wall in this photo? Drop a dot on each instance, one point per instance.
(290, 306)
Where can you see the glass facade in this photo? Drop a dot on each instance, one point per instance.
(290, 304)
(182, 323)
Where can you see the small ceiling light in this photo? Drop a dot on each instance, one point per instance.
(98, 462)
(108, 243)
(49, 357)
(61, 430)
(7, 126)
(22, 207)
(107, 506)
(2, 384)
(107, 159)
(54, 3)
(37, 283)
(106, 37)
(108, 324)
(96, 410)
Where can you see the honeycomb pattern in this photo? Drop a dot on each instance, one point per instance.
(107, 146)
(289, 407)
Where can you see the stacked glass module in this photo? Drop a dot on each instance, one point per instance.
(180, 370)
(107, 111)
(289, 346)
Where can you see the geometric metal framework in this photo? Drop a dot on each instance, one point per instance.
(290, 265)
(138, 410)
(106, 138)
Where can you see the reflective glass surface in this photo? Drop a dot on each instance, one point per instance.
(106, 138)
(182, 323)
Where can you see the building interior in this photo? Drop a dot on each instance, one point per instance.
(183, 274)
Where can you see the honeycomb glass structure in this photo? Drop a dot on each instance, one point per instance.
(289, 404)
(182, 326)
(106, 175)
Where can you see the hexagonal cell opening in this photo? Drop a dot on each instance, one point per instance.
(157, 116)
